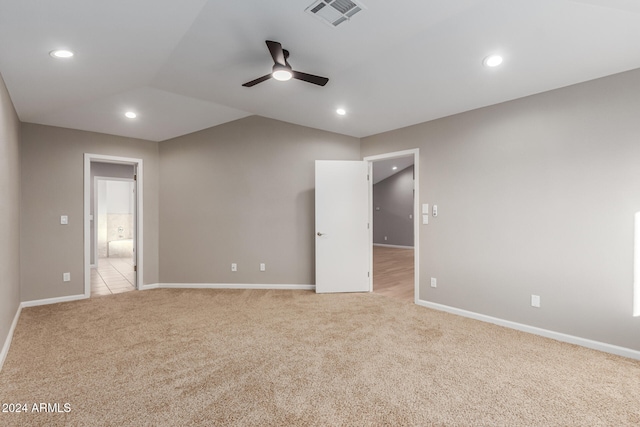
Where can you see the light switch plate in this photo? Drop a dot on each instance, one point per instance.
(425, 219)
(66, 277)
(64, 219)
(425, 208)
(535, 301)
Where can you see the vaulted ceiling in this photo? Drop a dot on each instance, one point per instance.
(180, 64)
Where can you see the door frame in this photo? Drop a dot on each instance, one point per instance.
(415, 152)
(139, 241)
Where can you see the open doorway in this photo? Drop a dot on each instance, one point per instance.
(113, 269)
(394, 234)
(113, 226)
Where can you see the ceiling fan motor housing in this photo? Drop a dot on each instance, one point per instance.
(281, 72)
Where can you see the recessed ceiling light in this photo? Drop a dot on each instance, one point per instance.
(61, 53)
(130, 115)
(341, 111)
(394, 168)
(492, 61)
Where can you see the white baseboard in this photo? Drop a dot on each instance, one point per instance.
(584, 342)
(393, 246)
(56, 300)
(7, 341)
(227, 286)
(34, 303)
(558, 336)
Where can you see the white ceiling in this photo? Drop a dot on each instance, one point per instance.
(181, 64)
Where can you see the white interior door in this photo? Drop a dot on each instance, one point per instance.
(342, 234)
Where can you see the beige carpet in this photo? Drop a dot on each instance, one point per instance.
(261, 358)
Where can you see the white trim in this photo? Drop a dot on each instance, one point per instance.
(48, 301)
(370, 224)
(636, 266)
(404, 153)
(7, 341)
(139, 240)
(33, 303)
(393, 246)
(227, 286)
(558, 336)
(415, 152)
(596, 345)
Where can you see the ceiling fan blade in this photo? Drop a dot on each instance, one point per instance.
(258, 80)
(316, 80)
(277, 54)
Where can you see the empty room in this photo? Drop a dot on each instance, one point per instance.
(330, 212)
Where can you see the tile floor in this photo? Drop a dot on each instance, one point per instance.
(112, 276)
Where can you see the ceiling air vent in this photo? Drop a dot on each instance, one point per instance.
(334, 12)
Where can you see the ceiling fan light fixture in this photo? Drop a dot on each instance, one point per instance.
(61, 54)
(492, 61)
(282, 74)
(341, 111)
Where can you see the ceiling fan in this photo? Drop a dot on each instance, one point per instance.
(282, 70)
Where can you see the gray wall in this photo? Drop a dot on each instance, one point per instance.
(52, 185)
(535, 196)
(9, 212)
(393, 209)
(243, 192)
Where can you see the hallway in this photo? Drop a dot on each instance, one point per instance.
(393, 272)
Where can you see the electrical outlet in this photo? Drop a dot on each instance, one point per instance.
(434, 282)
(234, 267)
(535, 301)
(263, 266)
(66, 277)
